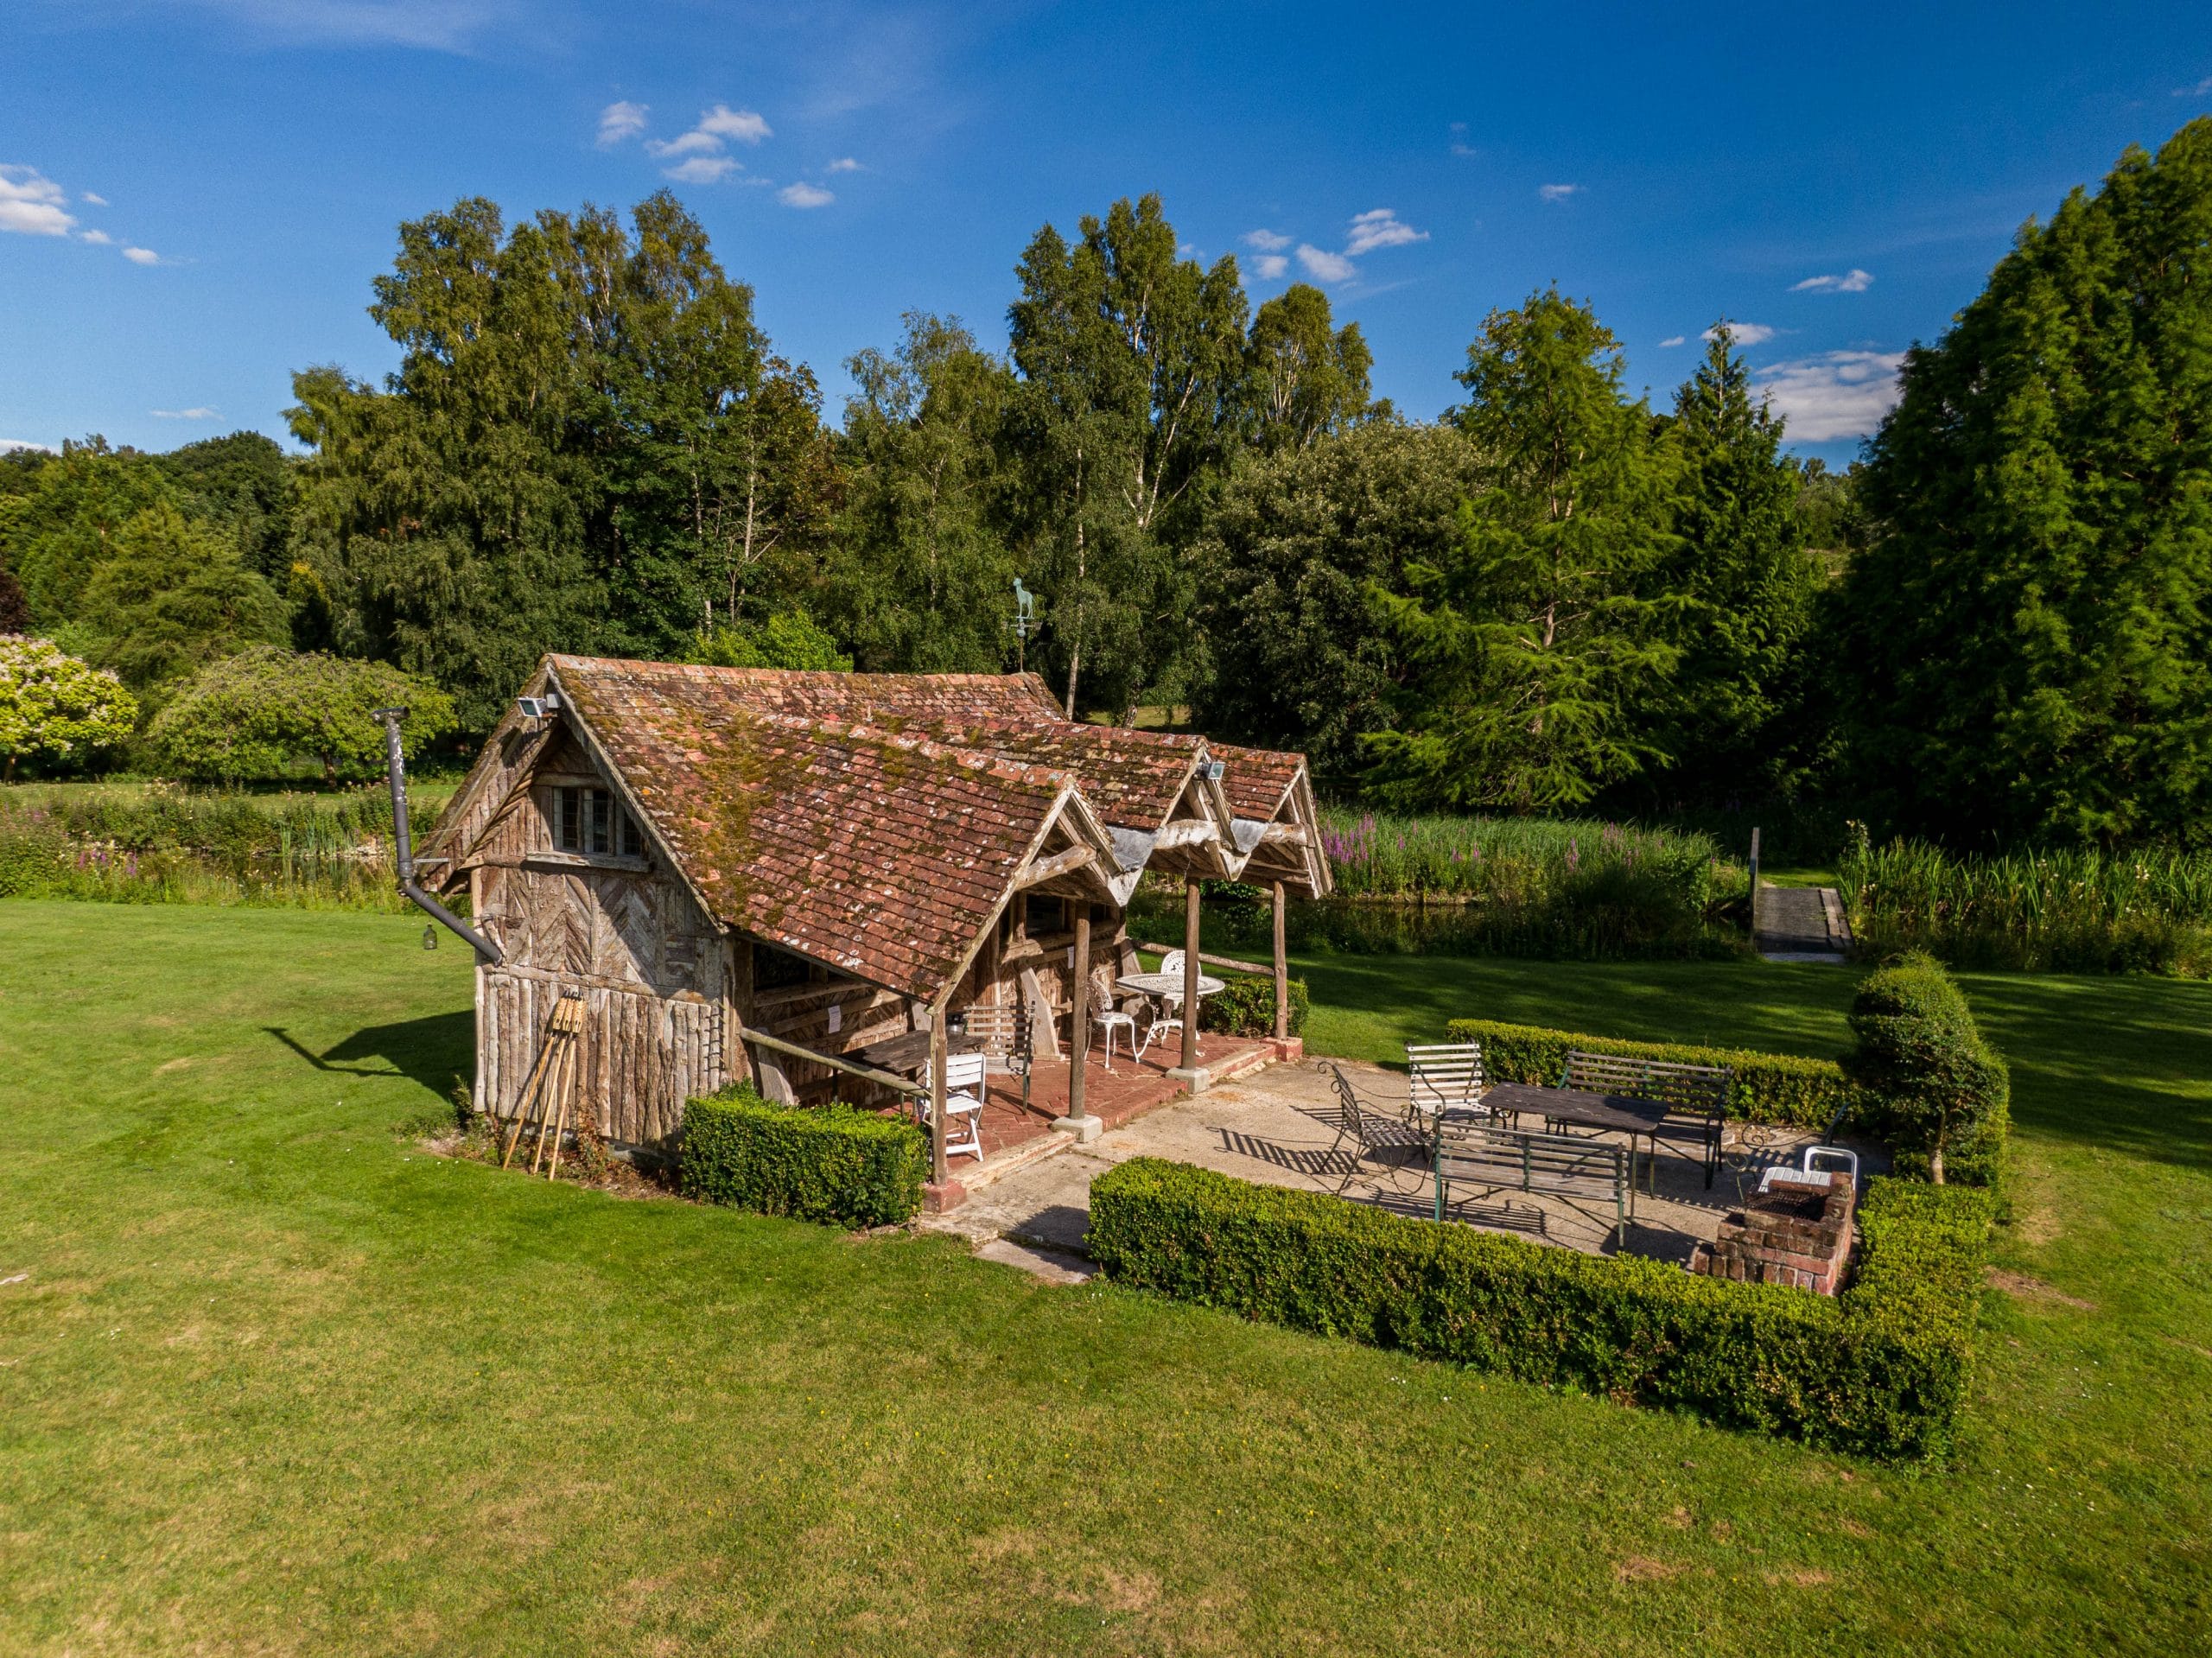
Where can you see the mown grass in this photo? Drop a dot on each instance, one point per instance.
(276, 1380)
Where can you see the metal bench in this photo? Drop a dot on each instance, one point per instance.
(1696, 1097)
(1568, 1167)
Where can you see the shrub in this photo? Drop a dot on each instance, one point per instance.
(1940, 1088)
(1246, 1007)
(829, 1163)
(1777, 1088)
(251, 714)
(1881, 1371)
(55, 707)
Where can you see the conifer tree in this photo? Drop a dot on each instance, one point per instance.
(1535, 644)
(2027, 649)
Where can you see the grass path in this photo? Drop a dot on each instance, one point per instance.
(274, 1380)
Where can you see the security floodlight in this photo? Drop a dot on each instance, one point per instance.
(1217, 770)
(536, 708)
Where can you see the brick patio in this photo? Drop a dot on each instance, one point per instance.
(1130, 1089)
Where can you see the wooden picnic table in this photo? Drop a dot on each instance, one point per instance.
(1619, 1114)
(908, 1053)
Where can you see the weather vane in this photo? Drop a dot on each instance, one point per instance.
(1025, 618)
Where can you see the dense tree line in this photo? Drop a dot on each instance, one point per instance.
(1554, 595)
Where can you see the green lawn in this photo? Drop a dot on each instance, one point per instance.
(276, 1380)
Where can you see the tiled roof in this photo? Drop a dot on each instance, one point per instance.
(1130, 778)
(1256, 779)
(881, 853)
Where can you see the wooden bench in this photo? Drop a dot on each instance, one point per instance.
(1696, 1097)
(1577, 1171)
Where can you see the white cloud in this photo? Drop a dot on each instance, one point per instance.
(7, 443)
(97, 201)
(1459, 145)
(200, 413)
(1380, 227)
(1324, 266)
(1852, 282)
(700, 170)
(31, 203)
(2199, 90)
(141, 255)
(1558, 192)
(1669, 344)
(691, 144)
(97, 238)
(741, 124)
(804, 195)
(844, 164)
(620, 120)
(1266, 241)
(1835, 394)
(1745, 334)
(1270, 267)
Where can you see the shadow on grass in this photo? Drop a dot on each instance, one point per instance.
(431, 1051)
(2122, 1064)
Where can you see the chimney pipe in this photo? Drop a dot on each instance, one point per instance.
(404, 852)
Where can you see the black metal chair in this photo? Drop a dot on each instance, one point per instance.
(1373, 1129)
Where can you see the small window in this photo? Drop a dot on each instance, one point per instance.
(590, 820)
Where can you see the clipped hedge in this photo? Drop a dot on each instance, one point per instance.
(1246, 1007)
(1776, 1087)
(1944, 1093)
(1881, 1371)
(828, 1163)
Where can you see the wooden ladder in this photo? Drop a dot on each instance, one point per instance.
(550, 1088)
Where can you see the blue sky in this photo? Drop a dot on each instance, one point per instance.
(197, 192)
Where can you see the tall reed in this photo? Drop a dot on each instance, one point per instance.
(2079, 911)
(163, 844)
(1565, 889)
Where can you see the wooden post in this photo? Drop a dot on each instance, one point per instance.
(1282, 973)
(1755, 888)
(1079, 1011)
(938, 1116)
(1190, 972)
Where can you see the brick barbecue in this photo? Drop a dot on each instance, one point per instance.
(1797, 1232)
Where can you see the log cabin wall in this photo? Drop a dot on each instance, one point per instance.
(620, 929)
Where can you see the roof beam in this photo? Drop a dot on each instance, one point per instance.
(1037, 871)
(1186, 831)
(1285, 834)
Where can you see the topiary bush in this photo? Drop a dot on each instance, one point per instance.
(1882, 1371)
(1943, 1093)
(1776, 1087)
(1246, 1007)
(832, 1163)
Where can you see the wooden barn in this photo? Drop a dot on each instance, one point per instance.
(756, 873)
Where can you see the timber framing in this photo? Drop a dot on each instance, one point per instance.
(822, 861)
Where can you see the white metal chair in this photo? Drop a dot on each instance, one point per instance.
(1110, 1020)
(1170, 1017)
(963, 1085)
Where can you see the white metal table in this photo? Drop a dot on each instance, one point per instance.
(1165, 985)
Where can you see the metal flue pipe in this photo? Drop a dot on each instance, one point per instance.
(402, 848)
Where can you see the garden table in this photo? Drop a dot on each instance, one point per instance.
(907, 1053)
(1167, 986)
